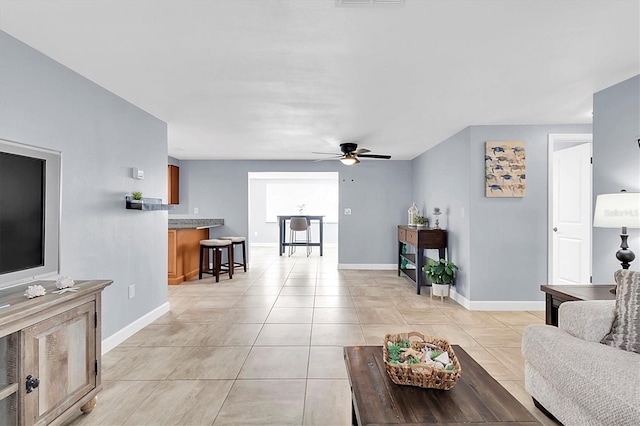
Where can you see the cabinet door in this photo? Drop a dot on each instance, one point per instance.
(9, 379)
(61, 353)
(173, 177)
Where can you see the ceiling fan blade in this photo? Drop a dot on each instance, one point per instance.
(384, 157)
(327, 153)
(360, 151)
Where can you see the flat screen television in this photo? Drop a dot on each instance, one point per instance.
(29, 213)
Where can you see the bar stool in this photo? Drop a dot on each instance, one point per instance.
(217, 246)
(236, 241)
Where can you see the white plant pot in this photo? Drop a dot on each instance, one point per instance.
(440, 289)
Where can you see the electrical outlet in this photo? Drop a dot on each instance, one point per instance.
(195, 210)
(132, 291)
(347, 212)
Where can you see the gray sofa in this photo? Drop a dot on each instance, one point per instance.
(576, 378)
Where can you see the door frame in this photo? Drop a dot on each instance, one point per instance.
(555, 141)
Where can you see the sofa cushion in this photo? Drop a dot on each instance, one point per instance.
(602, 381)
(625, 331)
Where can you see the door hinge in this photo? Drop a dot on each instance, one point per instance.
(96, 367)
(591, 279)
(95, 320)
(591, 160)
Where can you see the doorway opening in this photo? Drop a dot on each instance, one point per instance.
(292, 193)
(569, 208)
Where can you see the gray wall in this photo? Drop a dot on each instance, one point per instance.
(377, 191)
(501, 243)
(616, 165)
(101, 138)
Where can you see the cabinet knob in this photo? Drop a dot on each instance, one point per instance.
(555, 229)
(32, 383)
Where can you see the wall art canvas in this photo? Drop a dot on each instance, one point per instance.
(505, 169)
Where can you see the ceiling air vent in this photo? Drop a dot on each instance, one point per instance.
(368, 3)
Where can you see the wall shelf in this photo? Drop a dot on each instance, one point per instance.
(146, 204)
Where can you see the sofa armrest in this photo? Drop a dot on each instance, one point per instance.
(588, 320)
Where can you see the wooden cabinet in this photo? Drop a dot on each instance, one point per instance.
(412, 242)
(50, 353)
(173, 178)
(184, 253)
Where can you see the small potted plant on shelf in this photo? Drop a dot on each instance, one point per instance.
(421, 221)
(136, 197)
(441, 274)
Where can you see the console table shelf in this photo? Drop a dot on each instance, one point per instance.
(419, 239)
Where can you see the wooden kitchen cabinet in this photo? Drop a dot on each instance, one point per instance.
(50, 353)
(173, 178)
(184, 253)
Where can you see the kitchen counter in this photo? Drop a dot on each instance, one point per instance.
(194, 223)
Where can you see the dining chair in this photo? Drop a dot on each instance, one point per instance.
(298, 224)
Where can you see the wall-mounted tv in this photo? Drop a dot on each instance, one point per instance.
(29, 213)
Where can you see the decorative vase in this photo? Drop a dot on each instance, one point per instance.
(413, 212)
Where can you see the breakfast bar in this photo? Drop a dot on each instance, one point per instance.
(184, 246)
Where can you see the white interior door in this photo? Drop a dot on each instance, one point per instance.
(571, 211)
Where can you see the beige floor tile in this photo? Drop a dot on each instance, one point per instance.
(202, 315)
(211, 362)
(294, 302)
(214, 302)
(511, 358)
(332, 291)
(516, 318)
(300, 282)
(262, 291)
(231, 335)
(326, 362)
(255, 301)
(298, 291)
(471, 318)
(245, 315)
(180, 304)
(494, 336)
(327, 402)
(331, 282)
(380, 316)
(335, 316)
(144, 363)
(182, 402)
(333, 302)
(494, 367)
(371, 302)
(336, 335)
(454, 334)
(424, 316)
(284, 335)
(290, 316)
(276, 362)
(263, 402)
(126, 395)
(174, 334)
(517, 389)
(539, 314)
(374, 334)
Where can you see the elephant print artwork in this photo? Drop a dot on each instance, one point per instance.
(505, 170)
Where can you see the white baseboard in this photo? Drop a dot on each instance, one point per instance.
(131, 329)
(370, 266)
(498, 305)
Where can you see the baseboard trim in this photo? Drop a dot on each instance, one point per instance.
(131, 329)
(369, 266)
(497, 305)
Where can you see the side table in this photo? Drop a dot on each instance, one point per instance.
(555, 295)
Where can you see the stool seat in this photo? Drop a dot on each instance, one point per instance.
(215, 243)
(234, 239)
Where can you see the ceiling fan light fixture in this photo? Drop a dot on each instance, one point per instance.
(349, 160)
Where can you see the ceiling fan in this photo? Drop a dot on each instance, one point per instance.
(351, 153)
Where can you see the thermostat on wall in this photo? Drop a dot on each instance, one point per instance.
(138, 174)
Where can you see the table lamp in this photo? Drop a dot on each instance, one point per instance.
(620, 210)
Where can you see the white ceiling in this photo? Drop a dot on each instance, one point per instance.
(278, 79)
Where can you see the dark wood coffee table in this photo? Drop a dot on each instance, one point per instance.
(476, 398)
(555, 295)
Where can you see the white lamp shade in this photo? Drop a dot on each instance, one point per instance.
(617, 210)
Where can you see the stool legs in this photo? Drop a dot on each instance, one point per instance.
(217, 262)
(244, 256)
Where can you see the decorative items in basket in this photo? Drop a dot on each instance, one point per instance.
(428, 362)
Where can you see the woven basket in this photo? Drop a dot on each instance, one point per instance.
(421, 375)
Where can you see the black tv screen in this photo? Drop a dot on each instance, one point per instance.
(22, 212)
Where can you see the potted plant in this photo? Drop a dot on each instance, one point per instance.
(441, 274)
(136, 197)
(421, 221)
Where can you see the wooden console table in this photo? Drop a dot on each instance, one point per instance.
(420, 239)
(555, 295)
(476, 398)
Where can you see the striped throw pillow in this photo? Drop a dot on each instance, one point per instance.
(625, 331)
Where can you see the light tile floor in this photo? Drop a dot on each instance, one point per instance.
(266, 346)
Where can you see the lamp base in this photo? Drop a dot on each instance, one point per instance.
(624, 255)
